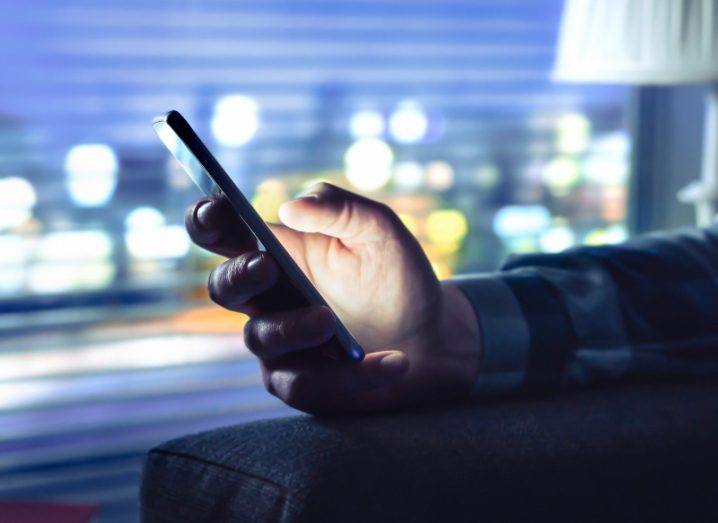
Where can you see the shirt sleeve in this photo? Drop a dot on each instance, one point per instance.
(645, 307)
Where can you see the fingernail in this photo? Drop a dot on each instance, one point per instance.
(393, 363)
(310, 192)
(254, 266)
(202, 214)
(257, 270)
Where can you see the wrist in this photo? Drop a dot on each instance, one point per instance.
(460, 334)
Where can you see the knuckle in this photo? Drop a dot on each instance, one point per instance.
(297, 389)
(251, 336)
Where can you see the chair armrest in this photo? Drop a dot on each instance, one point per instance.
(642, 451)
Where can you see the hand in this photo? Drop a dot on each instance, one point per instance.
(421, 337)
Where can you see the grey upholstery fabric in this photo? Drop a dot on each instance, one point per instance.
(635, 452)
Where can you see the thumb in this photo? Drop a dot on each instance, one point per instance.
(330, 210)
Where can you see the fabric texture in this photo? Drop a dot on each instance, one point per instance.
(645, 307)
(638, 452)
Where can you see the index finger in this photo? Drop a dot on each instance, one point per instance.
(213, 224)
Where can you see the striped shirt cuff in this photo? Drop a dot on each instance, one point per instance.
(504, 332)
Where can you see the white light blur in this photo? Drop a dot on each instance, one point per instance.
(14, 250)
(235, 120)
(573, 133)
(439, 175)
(560, 174)
(366, 124)
(368, 164)
(145, 217)
(17, 199)
(521, 220)
(129, 354)
(54, 277)
(91, 174)
(14, 254)
(557, 239)
(409, 123)
(74, 245)
(408, 175)
(616, 143)
(157, 243)
(607, 161)
(606, 170)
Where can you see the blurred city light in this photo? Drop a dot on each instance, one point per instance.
(557, 239)
(408, 123)
(408, 175)
(17, 199)
(145, 217)
(268, 197)
(157, 243)
(439, 176)
(74, 245)
(521, 220)
(573, 132)
(147, 236)
(609, 235)
(368, 163)
(608, 159)
(487, 176)
(14, 254)
(561, 174)
(366, 124)
(91, 174)
(55, 277)
(446, 226)
(235, 120)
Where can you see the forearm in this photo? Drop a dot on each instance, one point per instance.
(646, 306)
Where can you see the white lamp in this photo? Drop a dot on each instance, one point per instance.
(649, 42)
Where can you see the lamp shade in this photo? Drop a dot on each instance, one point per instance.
(638, 41)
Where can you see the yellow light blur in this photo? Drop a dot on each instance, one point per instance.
(269, 196)
(609, 235)
(572, 133)
(410, 222)
(441, 269)
(446, 226)
(560, 174)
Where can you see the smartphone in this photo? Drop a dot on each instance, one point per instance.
(213, 181)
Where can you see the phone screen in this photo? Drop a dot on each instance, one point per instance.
(210, 177)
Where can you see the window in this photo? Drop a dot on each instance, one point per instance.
(443, 110)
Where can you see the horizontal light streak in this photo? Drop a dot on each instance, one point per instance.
(188, 45)
(132, 354)
(156, 19)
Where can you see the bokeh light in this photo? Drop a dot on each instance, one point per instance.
(235, 120)
(446, 226)
(148, 237)
(408, 175)
(521, 220)
(368, 164)
(561, 174)
(573, 132)
(366, 124)
(409, 123)
(557, 239)
(439, 175)
(91, 174)
(17, 200)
